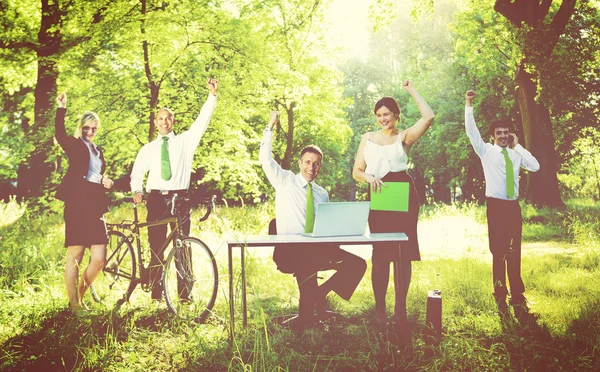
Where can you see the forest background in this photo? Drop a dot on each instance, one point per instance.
(536, 63)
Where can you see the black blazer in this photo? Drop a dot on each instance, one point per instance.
(74, 185)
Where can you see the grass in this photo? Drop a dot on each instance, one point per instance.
(560, 270)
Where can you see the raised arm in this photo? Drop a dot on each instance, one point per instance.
(274, 172)
(199, 126)
(416, 131)
(470, 126)
(60, 131)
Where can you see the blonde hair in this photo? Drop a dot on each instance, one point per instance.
(87, 117)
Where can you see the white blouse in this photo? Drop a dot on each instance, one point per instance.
(382, 159)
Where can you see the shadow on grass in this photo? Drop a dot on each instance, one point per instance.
(531, 346)
(56, 341)
(359, 343)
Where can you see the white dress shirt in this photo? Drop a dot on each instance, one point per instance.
(95, 168)
(494, 165)
(290, 191)
(181, 155)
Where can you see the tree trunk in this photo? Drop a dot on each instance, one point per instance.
(289, 146)
(14, 106)
(419, 181)
(542, 186)
(153, 86)
(441, 191)
(34, 175)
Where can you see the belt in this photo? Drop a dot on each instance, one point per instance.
(168, 192)
(489, 198)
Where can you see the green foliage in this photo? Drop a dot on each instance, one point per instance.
(239, 44)
(273, 55)
(32, 249)
(581, 174)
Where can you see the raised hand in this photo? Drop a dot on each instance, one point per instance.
(213, 85)
(273, 119)
(407, 85)
(469, 97)
(514, 140)
(62, 100)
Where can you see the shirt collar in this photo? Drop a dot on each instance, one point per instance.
(499, 149)
(89, 145)
(302, 180)
(169, 135)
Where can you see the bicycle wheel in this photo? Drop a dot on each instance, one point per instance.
(190, 280)
(117, 280)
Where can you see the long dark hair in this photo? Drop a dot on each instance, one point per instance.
(389, 103)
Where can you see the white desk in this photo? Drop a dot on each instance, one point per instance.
(280, 240)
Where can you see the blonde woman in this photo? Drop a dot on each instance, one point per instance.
(82, 189)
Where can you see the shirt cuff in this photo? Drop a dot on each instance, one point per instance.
(468, 109)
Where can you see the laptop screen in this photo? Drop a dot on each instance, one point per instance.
(341, 219)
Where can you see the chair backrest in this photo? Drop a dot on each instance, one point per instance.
(273, 227)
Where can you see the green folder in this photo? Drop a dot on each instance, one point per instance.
(394, 197)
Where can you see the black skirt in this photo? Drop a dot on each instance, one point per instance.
(84, 221)
(393, 221)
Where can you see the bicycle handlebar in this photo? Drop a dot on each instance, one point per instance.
(209, 203)
(209, 207)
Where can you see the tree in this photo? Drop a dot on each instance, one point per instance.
(540, 29)
(41, 42)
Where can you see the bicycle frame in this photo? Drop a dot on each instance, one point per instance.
(134, 227)
(123, 273)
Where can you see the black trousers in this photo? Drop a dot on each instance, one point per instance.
(504, 232)
(158, 208)
(305, 262)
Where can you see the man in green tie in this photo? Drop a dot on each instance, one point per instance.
(501, 163)
(168, 161)
(296, 195)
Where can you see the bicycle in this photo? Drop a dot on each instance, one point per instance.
(190, 275)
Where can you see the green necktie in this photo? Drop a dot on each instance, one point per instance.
(165, 163)
(310, 209)
(510, 181)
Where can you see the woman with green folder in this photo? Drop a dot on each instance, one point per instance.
(382, 158)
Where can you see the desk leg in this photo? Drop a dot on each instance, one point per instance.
(231, 305)
(244, 308)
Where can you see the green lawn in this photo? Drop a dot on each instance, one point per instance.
(560, 270)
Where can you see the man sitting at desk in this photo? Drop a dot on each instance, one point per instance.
(295, 195)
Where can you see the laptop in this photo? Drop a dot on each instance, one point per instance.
(340, 219)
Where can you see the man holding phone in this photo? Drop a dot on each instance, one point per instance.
(501, 162)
